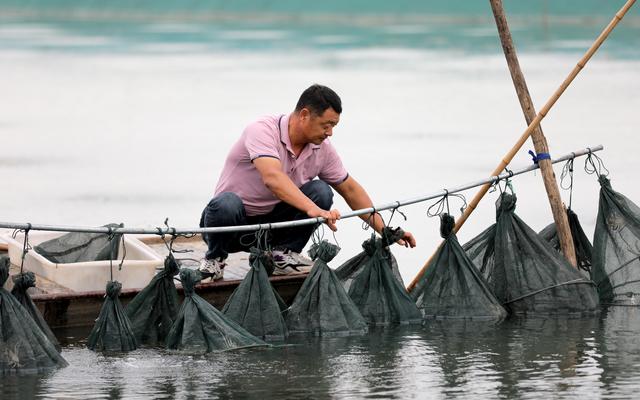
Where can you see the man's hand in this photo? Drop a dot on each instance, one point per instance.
(330, 216)
(407, 240)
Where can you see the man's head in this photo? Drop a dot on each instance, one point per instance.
(318, 111)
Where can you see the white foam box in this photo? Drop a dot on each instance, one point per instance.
(139, 265)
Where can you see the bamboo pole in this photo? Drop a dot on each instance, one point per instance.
(539, 141)
(533, 125)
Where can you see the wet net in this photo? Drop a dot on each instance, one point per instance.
(112, 331)
(154, 309)
(22, 282)
(524, 272)
(451, 286)
(255, 304)
(616, 247)
(581, 242)
(200, 328)
(81, 247)
(24, 348)
(348, 271)
(322, 306)
(380, 297)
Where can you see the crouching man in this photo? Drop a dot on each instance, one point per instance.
(269, 176)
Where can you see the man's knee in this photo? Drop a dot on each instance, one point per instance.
(319, 192)
(225, 208)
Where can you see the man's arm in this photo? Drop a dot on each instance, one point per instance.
(358, 198)
(283, 188)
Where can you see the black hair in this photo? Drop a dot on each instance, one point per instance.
(318, 98)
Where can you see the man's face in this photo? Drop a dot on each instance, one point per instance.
(319, 127)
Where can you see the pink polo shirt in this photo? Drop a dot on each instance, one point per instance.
(269, 137)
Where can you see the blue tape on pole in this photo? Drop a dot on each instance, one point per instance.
(539, 156)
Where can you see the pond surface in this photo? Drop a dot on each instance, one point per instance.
(596, 357)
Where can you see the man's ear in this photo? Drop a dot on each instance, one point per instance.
(305, 114)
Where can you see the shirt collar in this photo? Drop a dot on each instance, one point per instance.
(286, 140)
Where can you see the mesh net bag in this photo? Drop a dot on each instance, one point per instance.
(616, 247)
(452, 287)
(21, 283)
(581, 243)
(381, 299)
(524, 272)
(200, 328)
(322, 307)
(24, 348)
(80, 247)
(255, 304)
(112, 331)
(348, 271)
(154, 309)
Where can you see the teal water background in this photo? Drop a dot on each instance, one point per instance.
(124, 111)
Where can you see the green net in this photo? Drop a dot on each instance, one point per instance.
(348, 271)
(80, 247)
(581, 243)
(381, 299)
(255, 304)
(616, 247)
(322, 307)
(21, 283)
(524, 272)
(24, 348)
(154, 309)
(112, 330)
(200, 328)
(452, 287)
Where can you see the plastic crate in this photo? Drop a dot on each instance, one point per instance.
(139, 265)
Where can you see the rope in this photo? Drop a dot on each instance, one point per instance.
(111, 236)
(25, 247)
(573, 282)
(567, 170)
(594, 167)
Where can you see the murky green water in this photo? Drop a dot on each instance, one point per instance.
(124, 113)
(526, 358)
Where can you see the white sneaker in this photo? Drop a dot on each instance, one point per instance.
(212, 268)
(286, 262)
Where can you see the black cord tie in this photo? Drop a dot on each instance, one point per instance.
(595, 167)
(366, 224)
(25, 246)
(567, 171)
(394, 210)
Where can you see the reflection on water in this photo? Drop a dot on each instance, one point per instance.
(519, 358)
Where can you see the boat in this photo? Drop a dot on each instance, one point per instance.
(67, 310)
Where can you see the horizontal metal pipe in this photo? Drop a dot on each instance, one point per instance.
(289, 224)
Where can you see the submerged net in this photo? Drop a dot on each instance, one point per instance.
(255, 304)
(21, 283)
(23, 345)
(201, 328)
(616, 247)
(154, 309)
(112, 330)
(322, 306)
(524, 272)
(452, 287)
(581, 243)
(380, 297)
(80, 247)
(348, 271)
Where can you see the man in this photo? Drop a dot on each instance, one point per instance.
(269, 176)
